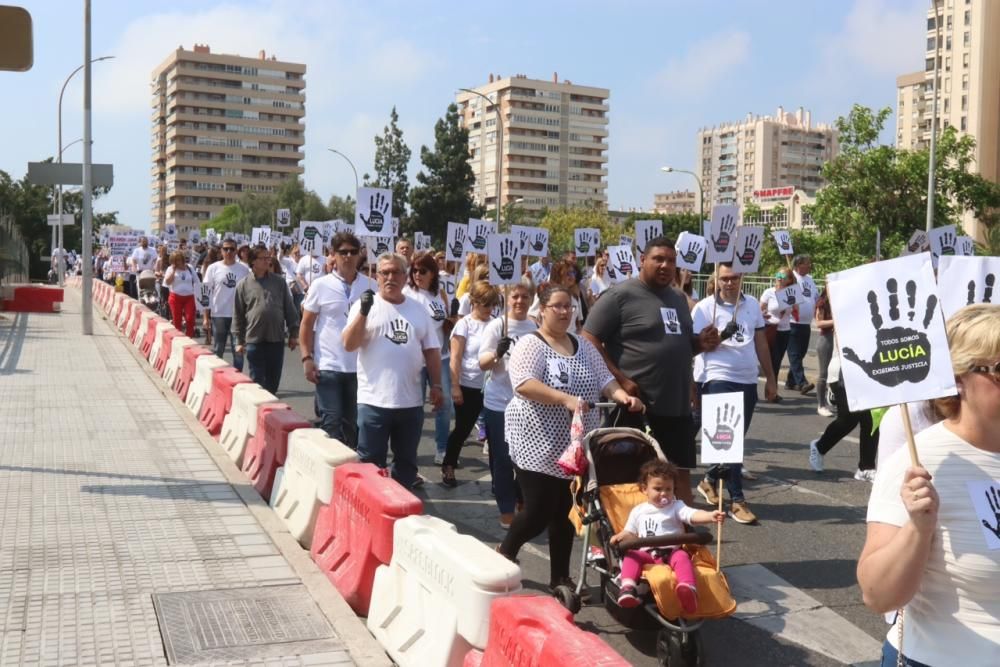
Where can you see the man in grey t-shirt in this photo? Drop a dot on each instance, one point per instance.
(643, 328)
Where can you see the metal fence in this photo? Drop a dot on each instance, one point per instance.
(752, 285)
(13, 252)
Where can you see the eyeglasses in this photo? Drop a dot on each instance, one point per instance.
(347, 252)
(225, 249)
(560, 306)
(389, 273)
(729, 279)
(421, 271)
(993, 371)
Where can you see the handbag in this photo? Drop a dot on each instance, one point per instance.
(574, 460)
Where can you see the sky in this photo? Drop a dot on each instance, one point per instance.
(672, 67)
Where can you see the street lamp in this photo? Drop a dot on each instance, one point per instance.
(61, 148)
(701, 197)
(496, 107)
(356, 186)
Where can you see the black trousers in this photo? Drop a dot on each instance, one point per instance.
(844, 424)
(547, 502)
(465, 418)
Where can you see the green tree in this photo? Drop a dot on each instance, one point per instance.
(562, 221)
(673, 223)
(392, 159)
(305, 204)
(445, 184)
(341, 208)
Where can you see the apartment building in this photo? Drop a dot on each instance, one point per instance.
(222, 126)
(964, 37)
(679, 201)
(761, 152)
(555, 142)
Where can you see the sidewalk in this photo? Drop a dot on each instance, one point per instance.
(124, 538)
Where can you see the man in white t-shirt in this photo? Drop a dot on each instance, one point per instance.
(309, 269)
(325, 362)
(143, 258)
(221, 279)
(801, 325)
(732, 367)
(395, 338)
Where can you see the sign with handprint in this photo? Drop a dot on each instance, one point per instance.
(377, 246)
(211, 235)
(523, 234)
(747, 249)
(455, 242)
(646, 231)
(558, 374)
(624, 239)
(985, 496)
(721, 233)
(478, 232)
(918, 243)
(283, 217)
(783, 239)
(621, 259)
(789, 296)
(538, 243)
(310, 238)
(906, 347)
(373, 211)
(963, 281)
(421, 241)
(586, 241)
(722, 428)
(943, 241)
(966, 246)
(171, 231)
(502, 254)
(690, 251)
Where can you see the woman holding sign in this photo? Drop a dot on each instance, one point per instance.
(553, 374)
(933, 543)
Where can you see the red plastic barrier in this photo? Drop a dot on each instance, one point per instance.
(353, 534)
(148, 336)
(132, 332)
(184, 378)
(127, 309)
(219, 401)
(537, 630)
(266, 451)
(34, 299)
(160, 363)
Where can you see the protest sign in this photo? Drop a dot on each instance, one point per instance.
(477, 233)
(624, 239)
(963, 281)
(118, 263)
(421, 241)
(746, 247)
(373, 211)
(722, 422)
(943, 241)
(783, 239)
(789, 296)
(586, 241)
(283, 217)
(311, 238)
(538, 243)
(918, 243)
(691, 251)
(646, 231)
(720, 233)
(503, 252)
(170, 231)
(523, 234)
(621, 259)
(377, 246)
(455, 242)
(966, 246)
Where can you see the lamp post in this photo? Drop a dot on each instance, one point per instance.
(59, 143)
(496, 107)
(356, 186)
(701, 197)
(934, 112)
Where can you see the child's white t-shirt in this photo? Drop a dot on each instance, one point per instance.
(648, 520)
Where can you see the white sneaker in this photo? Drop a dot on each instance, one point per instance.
(865, 475)
(746, 474)
(815, 458)
(824, 411)
(438, 459)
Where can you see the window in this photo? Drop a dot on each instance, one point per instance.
(947, 43)
(966, 39)
(965, 82)
(968, 17)
(965, 60)
(946, 105)
(965, 102)
(947, 64)
(930, 43)
(930, 23)
(964, 124)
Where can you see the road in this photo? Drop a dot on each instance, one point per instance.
(793, 573)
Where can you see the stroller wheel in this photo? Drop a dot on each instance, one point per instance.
(568, 598)
(679, 649)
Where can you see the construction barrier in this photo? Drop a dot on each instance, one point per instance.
(116, 307)
(163, 347)
(175, 362)
(201, 384)
(190, 356)
(305, 481)
(240, 425)
(537, 630)
(31, 299)
(219, 400)
(155, 328)
(136, 331)
(431, 604)
(266, 451)
(131, 309)
(126, 313)
(353, 534)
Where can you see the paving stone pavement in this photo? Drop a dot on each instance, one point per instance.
(108, 497)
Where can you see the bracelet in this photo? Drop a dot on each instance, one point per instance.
(307, 358)
(435, 386)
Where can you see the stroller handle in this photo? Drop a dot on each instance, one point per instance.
(603, 406)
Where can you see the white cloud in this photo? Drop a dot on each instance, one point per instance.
(704, 64)
(880, 38)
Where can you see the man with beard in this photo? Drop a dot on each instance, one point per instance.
(221, 279)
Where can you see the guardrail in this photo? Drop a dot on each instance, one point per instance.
(13, 252)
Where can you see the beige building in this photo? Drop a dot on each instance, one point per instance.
(964, 35)
(679, 201)
(761, 152)
(554, 147)
(784, 207)
(223, 126)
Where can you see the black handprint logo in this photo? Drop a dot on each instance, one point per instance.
(789, 296)
(507, 256)
(727, 418)
(947, 243)
(967, 247)
(398, 332)
(917, 243)
(583, 247)
(563, 373)
(437, 311)
(670, 321)
(749, 250)
(204, 296)
(458, 243)
(726, 227)
(806, 288)
(624, 262)
(479, 240)
(310, 233)
(378, 207)
(784, 243)
(649, 234)
(994, 501)
(539, 242)
(690, 256)
(230, 280)
(901, 354)
(611, 272)
(990, 280)
(381, 247)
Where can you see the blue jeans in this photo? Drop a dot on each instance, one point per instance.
(265, 361)
(442, 418)
(731, 472)
(399, 428)
(505, 487)
(337, 405)
(221, 333)
(798, 346)
(890, 656)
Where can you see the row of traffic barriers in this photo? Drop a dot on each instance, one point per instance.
(432, 596)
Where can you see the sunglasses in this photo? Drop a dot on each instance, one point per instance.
(421, 271)
(347, 252)
(224, 249)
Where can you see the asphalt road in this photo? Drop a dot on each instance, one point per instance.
(810, 532)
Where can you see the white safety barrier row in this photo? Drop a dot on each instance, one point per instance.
(431, 604)
(144, 315)
(201, 384)
(176, 359)
(154, 352)
(240, 425)
(306, 480)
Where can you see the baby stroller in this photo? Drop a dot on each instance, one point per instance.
(604, 498)
(148, 294)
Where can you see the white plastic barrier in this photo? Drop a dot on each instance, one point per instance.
(241, 423)
(117, 304)
(154, 351)
(431, 604)
(176, 359)
(127, 308)
(201, 384)
(144, 317)
(306, 480)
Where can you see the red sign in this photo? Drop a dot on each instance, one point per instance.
(770, 194)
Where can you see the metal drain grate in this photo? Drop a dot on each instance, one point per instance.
(242, 623)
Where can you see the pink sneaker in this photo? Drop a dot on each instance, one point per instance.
(627, 599)
(688, 597)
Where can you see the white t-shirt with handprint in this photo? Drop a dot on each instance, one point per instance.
(472, 330)
(309, 269)
(331, 298)
(808, 293)
(497, 391)
(438, 312)
(392, 355)
(222, 281)
(648, 520)
(735, 360)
